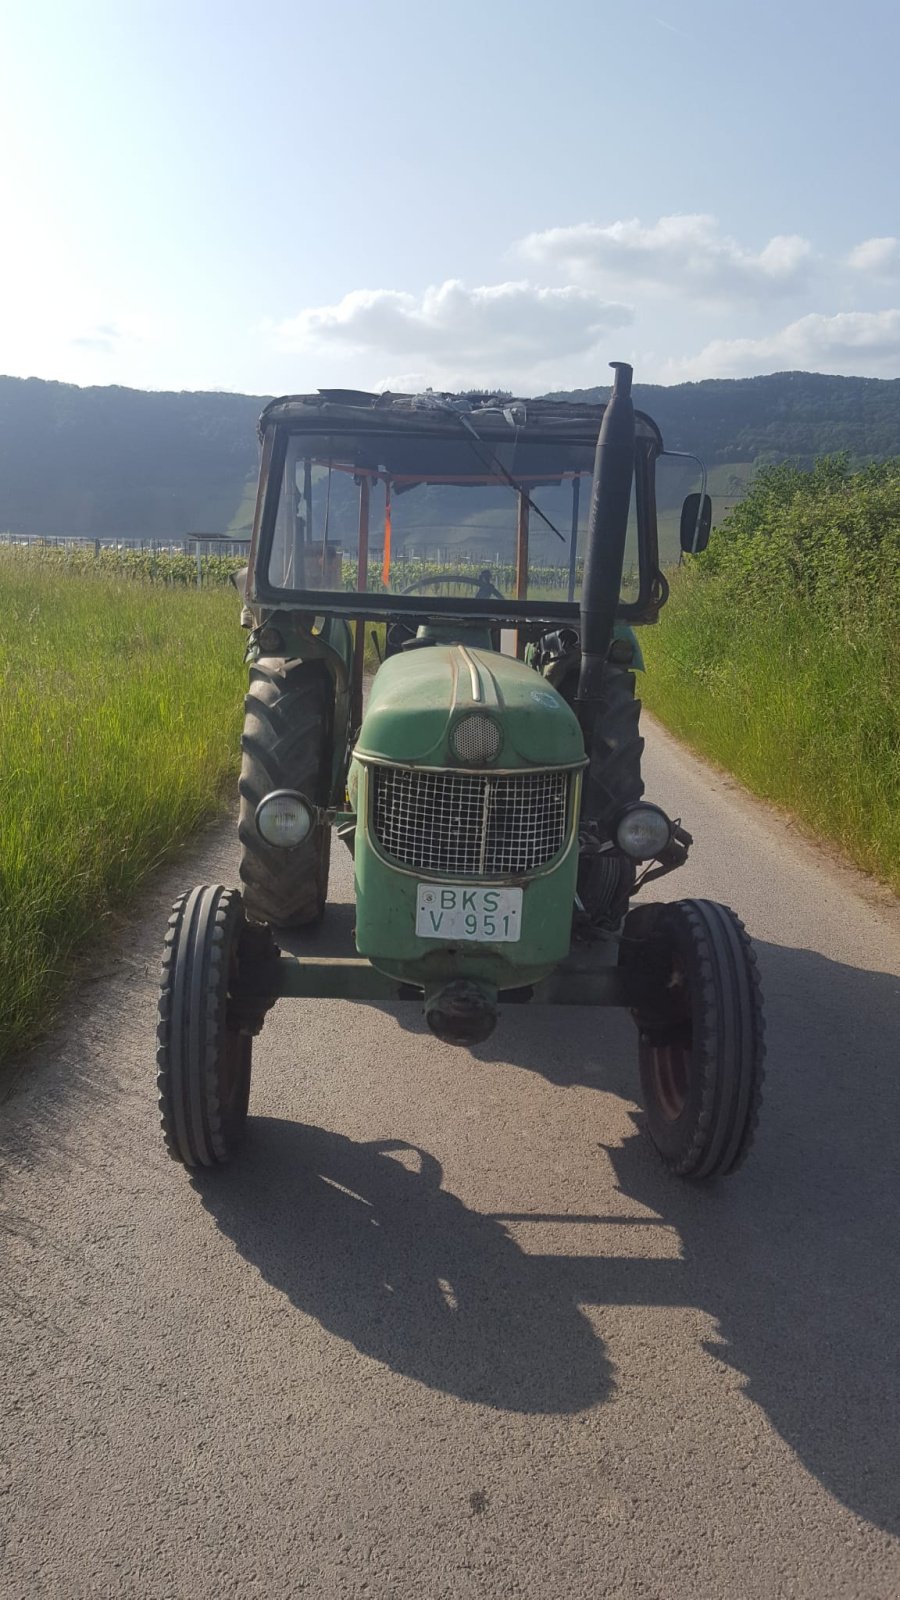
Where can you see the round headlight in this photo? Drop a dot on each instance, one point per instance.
(476, 738)
(284, 818)
(643, 832)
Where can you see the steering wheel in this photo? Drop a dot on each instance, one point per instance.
(402, 635)
(486, 589)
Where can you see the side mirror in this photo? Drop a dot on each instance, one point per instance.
(696, 522)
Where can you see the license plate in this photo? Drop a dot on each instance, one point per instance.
(453, 911)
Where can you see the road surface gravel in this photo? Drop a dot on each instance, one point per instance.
(447, 1329)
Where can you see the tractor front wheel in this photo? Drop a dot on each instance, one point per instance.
(204, 1035)
(701, 1046)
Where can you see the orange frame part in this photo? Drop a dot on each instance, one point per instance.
(386, 564)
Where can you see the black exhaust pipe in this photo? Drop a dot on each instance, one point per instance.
(607, 531)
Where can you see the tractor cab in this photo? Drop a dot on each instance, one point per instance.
(443, 511)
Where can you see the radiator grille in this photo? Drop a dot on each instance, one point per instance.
(467, 824)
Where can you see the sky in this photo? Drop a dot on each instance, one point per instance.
(398, 193)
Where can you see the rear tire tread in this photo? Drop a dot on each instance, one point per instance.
(612, 781)
(285, 745)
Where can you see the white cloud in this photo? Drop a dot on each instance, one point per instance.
(879, 258)
(403, 383)
(503, 330)
(104, 338)
(115, 336)
(852, 343)
(678, 255)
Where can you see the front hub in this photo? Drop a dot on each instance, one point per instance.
(461, 1012)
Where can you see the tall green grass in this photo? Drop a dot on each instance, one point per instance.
(119, 732)
(779, 653)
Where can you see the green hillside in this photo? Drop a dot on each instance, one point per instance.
(795, 416)
(122, 462)
(107, 462)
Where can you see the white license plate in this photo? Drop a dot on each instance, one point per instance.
(454, 911)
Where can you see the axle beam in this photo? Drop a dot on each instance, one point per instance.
(354, 978)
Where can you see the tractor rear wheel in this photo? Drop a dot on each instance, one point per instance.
(612, 781)
(702, 1047)
(286, 744)
(204, 1043)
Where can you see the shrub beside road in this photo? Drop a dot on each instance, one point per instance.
(778, 655)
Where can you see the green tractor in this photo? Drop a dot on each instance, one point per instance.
(495, 554)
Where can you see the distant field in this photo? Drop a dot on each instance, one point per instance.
(119, 732)
(169, 567)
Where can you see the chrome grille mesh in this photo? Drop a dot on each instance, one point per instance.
(467, 824)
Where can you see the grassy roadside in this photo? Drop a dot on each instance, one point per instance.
(119, 733)
(778, 655)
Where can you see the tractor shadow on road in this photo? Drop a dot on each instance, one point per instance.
(795, 1258)
(332, 938)
(363, 1237)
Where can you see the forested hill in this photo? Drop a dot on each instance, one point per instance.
(114, 461)
(787, 416)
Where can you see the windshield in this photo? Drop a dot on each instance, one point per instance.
(438, 516)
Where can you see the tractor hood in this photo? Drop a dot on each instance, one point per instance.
(419, 696)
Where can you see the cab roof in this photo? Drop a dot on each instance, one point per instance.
(490, 416)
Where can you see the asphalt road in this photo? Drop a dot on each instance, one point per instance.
(447, 1329)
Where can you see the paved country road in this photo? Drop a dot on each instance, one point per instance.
(447, 1329)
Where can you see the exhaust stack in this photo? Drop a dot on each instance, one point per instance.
(607, 530)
